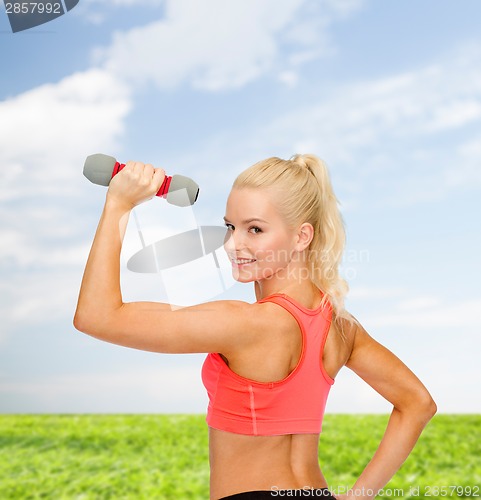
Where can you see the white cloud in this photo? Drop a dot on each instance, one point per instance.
(98, 11)
(46, 131)
(344, 7)
(289, 78)
(403, 308)
(418, 303)
(363, 115)
(216, 45)
(423, 312)
(455, 114)
(471, 148)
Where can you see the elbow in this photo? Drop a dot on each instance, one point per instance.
(96, 323)
(422, 406)
(81, 315)
(427, 408)
(427, 404)
(432, 408)
(80, 322)
(85, 321)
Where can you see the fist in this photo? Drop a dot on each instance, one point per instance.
(135, 183)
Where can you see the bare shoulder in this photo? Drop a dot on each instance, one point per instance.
(357, 340)
(340, 343)
(261, 322)
(364, 347)
(239, 313)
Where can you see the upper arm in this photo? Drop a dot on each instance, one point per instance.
(220, 326)
(385, 372)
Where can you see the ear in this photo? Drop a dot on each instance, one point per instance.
(304, 235)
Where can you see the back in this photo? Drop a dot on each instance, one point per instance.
(242, 462)
(293, 405)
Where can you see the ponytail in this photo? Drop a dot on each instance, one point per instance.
(327, 246)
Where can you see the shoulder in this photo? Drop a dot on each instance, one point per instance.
(256, 312)
(239, 317)
(262, 317)
(349, 344)
(251, 325)
(354, 346)
(367, 354)
(354, 335)
(340, 343)
(346, 328)
(243, 311)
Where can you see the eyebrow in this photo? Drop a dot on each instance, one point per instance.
(248, 221)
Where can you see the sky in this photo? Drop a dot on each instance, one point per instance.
(387, 93)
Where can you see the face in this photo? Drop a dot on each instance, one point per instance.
(258, 242)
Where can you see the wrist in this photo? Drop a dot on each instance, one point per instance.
(113, 203)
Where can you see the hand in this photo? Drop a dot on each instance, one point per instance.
(135, 183)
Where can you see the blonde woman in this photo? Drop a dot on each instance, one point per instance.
(270, 365)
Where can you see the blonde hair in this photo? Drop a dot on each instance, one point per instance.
(306, 195)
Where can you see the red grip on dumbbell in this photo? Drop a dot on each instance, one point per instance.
(164, 188)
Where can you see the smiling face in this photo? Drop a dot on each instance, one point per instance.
(259, 243)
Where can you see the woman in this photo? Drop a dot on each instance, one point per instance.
(270, 364)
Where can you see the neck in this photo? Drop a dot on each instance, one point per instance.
(292, 280)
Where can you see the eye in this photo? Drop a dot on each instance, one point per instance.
(229, 227)
(255, 230)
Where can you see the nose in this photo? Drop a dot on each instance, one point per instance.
(233, 242)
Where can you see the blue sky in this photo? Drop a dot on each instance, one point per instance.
(387, 93)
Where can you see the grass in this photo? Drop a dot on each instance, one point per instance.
(166, 456)
(446, 462)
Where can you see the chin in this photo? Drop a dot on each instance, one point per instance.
(243, 277)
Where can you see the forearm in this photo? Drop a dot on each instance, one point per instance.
(100, 293)
(402, 433)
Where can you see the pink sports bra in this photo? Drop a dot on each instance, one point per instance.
(293, 405)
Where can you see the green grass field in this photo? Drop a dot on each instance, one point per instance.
(166, 456)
